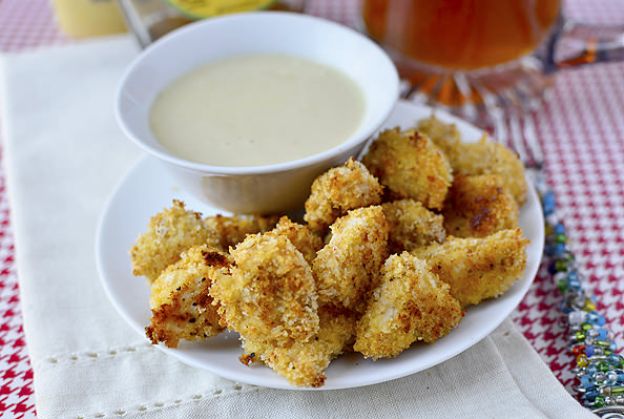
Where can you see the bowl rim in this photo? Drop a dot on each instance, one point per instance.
(377, 120)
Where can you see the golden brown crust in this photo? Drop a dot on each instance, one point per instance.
(483, 157)
(169, 233)
(409, 165)
(181, 304)
(339, 190)
(479, 205)
(410, 304)
(175, 230)
(304, 239)
(269, 294)
(412, 225)
(304, 363)
(445, 136)
(478, 268)
(229, 231)
(346, 268)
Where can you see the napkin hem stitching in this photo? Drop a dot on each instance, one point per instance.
(107, 353)
(143, 408)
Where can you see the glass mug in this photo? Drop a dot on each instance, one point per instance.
(476, 57)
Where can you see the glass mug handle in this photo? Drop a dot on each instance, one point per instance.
(599, 44)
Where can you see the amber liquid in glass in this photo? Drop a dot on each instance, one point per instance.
(460, 34)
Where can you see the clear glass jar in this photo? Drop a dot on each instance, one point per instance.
(151, 19)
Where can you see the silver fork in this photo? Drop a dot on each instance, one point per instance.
(599, 370)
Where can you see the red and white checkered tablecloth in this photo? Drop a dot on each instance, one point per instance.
(582, 133)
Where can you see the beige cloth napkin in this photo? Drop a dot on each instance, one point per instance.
(63, 155)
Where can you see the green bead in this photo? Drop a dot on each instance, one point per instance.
(549, 229)
(602, 343)
(560, 238)
(603, 366)
(617, 390)
(586, 326)
(579, 336)
(599, 402)
(561, 265)
(562, 285)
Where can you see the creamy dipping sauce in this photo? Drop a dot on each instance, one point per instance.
(255, 110)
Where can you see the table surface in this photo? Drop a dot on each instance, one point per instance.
(581, 131)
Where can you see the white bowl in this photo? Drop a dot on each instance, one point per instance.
(258, 189)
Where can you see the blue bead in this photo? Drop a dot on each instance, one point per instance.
(591, 395)
(558, 249)
(549, 249)
(589, 350)
(602, 334)
(559, 229)
(596, 319)
(621, 377)
(586, 381)
(548, 202)
(575, 285)
(572, 276)
(614, 359)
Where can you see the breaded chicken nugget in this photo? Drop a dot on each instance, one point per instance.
(410, 304)
(229, 231)
(412, 225)
(339, 190)
(306, 241)
(489, 157)
(269, 295)
(169, 233)
(304, 363)
(181, 305)
(410, 166)
(445, 136)
(347, 267)
(478, 158)
(176, 229)
(478, 206)
(478, 268)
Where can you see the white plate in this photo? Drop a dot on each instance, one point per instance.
(147, 189)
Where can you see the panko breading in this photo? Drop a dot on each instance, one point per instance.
(229, 231)
(269, 294)
(412, 225)
(488, 157)
(347, 267)
(305, 240)
(409, 165)
(181, 305)
(478, 206)
(478, 268)
(174, 230)
(169, 233)
(339, 190)
(446, 136)
(478, 158)
(410, 304)
(304, 363)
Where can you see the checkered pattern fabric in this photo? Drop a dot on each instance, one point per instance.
(581, 131)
